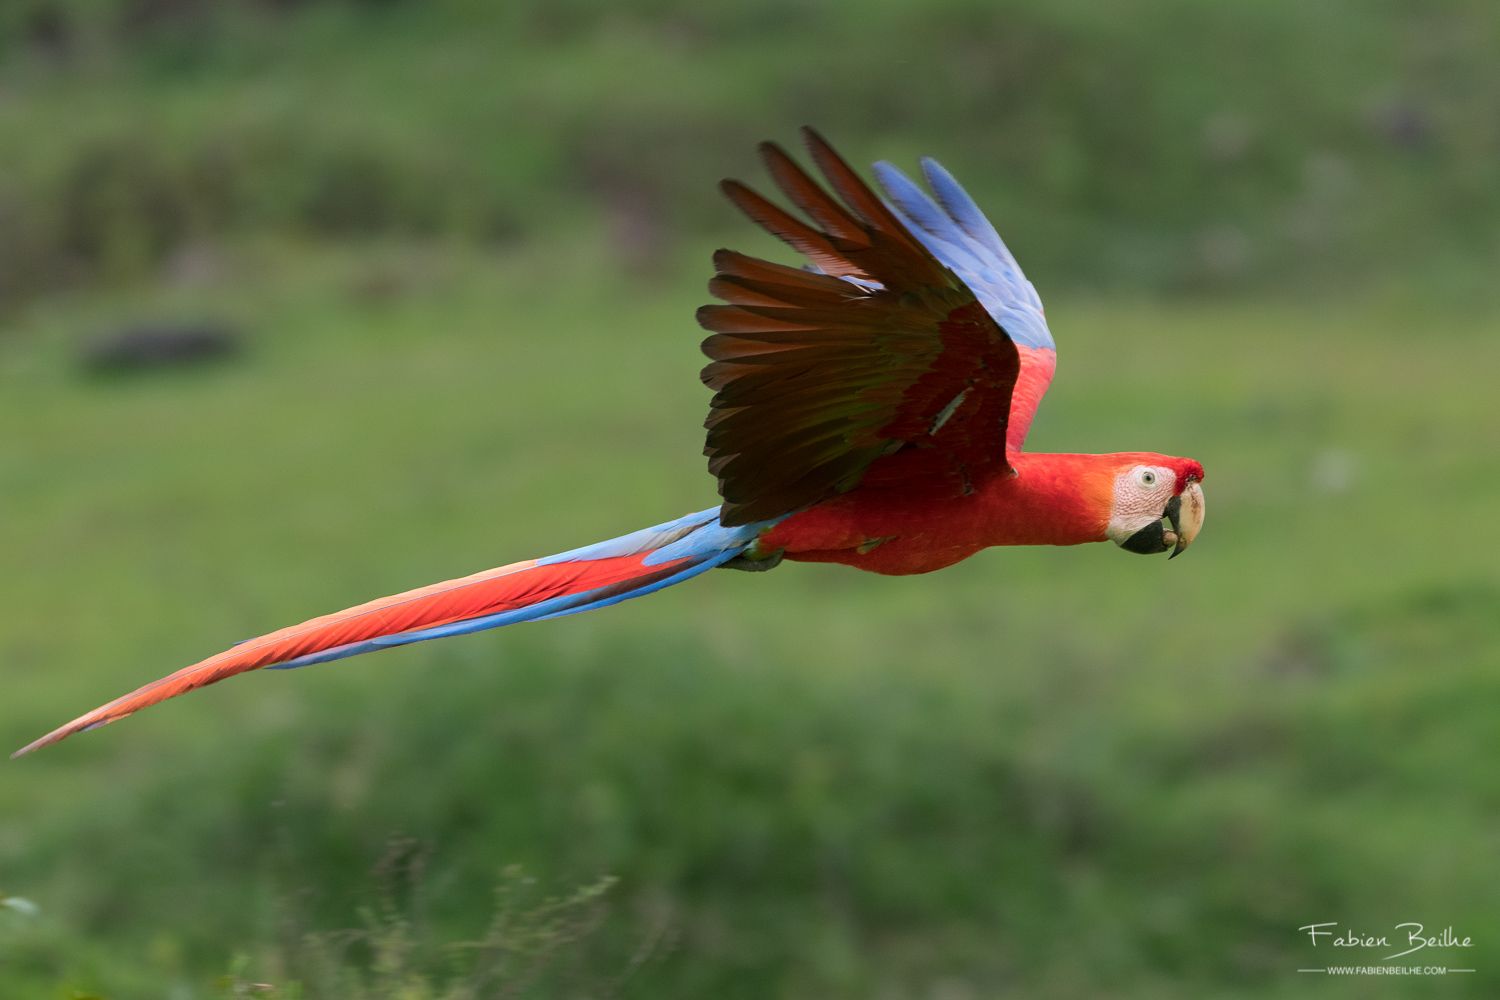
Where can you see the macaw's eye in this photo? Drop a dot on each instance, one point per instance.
(1148, 478)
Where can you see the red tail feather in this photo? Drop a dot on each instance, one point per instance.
(507, 588)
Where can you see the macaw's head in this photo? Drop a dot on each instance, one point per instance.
(1158, 504)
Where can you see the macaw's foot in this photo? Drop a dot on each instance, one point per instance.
(754, 565)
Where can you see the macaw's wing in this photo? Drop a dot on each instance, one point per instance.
(956, 232)
(883, 364)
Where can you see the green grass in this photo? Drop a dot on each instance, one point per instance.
(1052, 772)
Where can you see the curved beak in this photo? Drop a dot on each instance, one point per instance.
(1185, 512)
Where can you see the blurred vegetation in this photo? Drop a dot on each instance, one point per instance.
(1167, 145)
(459, 244)
(390, 955)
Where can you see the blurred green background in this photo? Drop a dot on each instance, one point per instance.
(457, 245)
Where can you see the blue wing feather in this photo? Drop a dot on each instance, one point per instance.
(936, 231)
(956, 232)
(961, 208)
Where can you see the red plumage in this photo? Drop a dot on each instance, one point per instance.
(507, 588)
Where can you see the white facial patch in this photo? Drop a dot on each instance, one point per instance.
(1141, 495)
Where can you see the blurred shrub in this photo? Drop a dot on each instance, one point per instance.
(119, 201)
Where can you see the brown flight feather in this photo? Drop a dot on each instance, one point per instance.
(821, 383)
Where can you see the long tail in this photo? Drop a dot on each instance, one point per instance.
(565, 584)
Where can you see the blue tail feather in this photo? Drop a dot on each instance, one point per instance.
(697, 537)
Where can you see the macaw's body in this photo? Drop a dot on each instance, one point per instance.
(869, 409)
(1050, 500)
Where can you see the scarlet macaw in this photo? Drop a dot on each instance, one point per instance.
(869, 409)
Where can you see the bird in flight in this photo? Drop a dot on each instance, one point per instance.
(869, 409)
